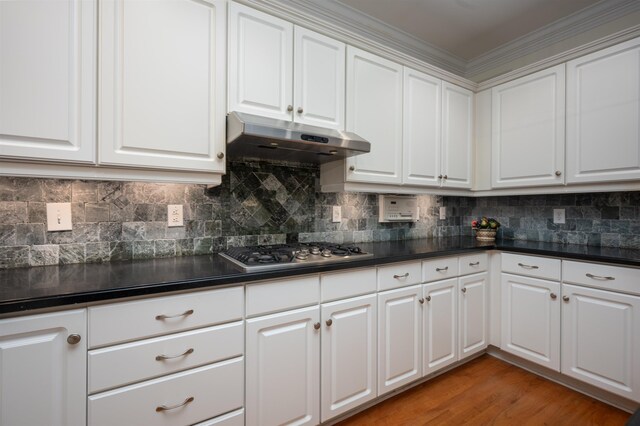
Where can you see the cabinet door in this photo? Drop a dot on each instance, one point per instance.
(440, 325)
(348, 354)
(421, 129)
(318, 80)
(531, 319)
(601, 339)
(457, 136)
(283, 368)
(43, 378)
(48, 80)
(374, 112)
(399, 337)
(260, 63)
(528, 130)
(603, 115)
(473, 314)
(162, 68)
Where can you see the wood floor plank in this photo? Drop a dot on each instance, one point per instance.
(488, 391)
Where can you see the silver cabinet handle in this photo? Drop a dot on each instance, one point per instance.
(173, 407)
(565, 298)
(522, 265)
(352, 168)
(439, 176)
(463, 289)
(428, 298)
(446, 268)
(74, 339)
(164, 357)
(421, 300)
(445, 176)
(329, 322)
(184, 314)
(300, 110)
(558, 173)
(553, 296)
(601, 278)
(220, 155)
(474, 263)
(316, 326)
(405, 275)
(290, 108)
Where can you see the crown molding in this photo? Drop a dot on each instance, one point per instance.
(577, 23)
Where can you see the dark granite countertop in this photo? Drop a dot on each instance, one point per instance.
(50, 286)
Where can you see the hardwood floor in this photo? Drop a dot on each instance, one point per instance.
(487, 391)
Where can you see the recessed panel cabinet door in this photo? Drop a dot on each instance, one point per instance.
(440, 325)
(374, 112)
(603, 115)
(260, 63)
(283, 368)
(531, 319)
(421, 128)
(48, 80)
(457, 136)
(528, 130)
(161, 87)
(43, 376)
(473, 314)
(349, 351)
(601, 339)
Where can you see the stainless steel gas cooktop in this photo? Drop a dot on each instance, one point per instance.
(264, 258)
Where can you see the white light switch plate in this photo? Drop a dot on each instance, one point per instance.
(558, 216)
(337, 214)
(443, 213)
(59, 217)
(175, 215)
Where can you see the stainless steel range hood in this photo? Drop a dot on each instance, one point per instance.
(259, 137)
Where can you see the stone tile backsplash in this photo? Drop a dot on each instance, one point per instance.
(269, 203)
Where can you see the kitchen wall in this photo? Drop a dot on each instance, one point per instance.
(269, 203)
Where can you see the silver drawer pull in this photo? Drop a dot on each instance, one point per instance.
(522, 265)
(184, 314)
(474, 263)
(173, 407)
(185, 353)
(598, 277)
(446, 268)
(405, 275)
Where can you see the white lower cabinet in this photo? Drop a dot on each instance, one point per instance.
(440, 325)
(43, 369)
(473, 313)
(531, 319)
(349, 349)
(399, 337)
(283, 368)
(601, 339)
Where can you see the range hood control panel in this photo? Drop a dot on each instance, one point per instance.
(398, 208)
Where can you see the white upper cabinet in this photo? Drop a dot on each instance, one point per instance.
(283, 71)
(48, 80)
(528, 130)
(603, 115)
(161, 87)
(260, 63)
(318, 80)
(374, 112)
(421, 129)
(457, 136)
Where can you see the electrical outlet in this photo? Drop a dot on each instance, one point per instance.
(443, 213)
(175, 215)
(59, 217)
(558, 216)
(337, 214)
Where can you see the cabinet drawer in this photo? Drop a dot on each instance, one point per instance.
(137, 361)
(531, 266)
(607, 277)
(121, 322)
(215, 389)
(235, 418)
(473, 263)
(341, 285)
(283, 294)
(439, 269)
(398, 275)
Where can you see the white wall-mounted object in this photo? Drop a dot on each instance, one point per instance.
(397, 208)
(336, 214)
(59, 217)
(175, 215)
(558, 216)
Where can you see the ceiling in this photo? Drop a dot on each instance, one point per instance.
(467, 29)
